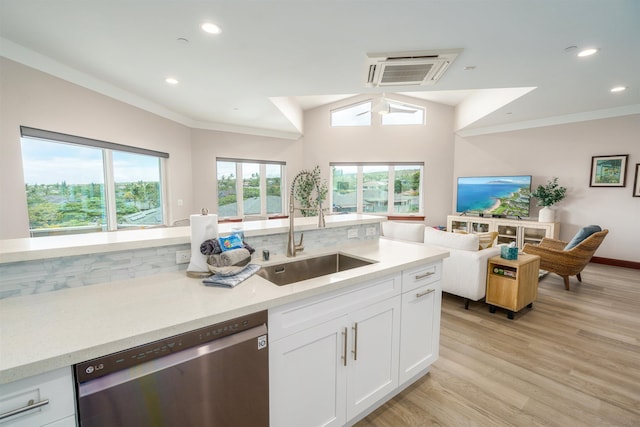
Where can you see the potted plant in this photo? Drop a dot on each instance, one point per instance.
(304, 192)
(548, 195)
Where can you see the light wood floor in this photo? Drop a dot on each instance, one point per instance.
(571, 360)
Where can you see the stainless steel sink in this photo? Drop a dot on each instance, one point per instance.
(308, 268)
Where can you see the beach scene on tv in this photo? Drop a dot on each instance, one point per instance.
(495, 195)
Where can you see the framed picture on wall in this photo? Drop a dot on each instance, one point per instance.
(609, 171)
(636, 182)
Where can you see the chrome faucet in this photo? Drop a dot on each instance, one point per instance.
(292, 247)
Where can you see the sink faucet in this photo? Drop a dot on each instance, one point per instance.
(292, 247)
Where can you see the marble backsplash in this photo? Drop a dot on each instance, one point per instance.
(33, 277)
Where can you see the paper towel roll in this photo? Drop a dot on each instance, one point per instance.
(203, 227)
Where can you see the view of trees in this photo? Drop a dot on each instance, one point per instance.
(250, 188)
(405, 180)
(73, 205)
(406, 187)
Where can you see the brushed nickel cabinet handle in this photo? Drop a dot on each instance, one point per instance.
(427, 274)
(355, 341)
(30, 405)
(344, 350)
(427, 292)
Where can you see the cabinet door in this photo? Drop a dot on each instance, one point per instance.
(307, 376)
(480, 226)
(458, 225)
(420, 329)
(534, 234)
(56, 387)
(373, 356)
(507, 233)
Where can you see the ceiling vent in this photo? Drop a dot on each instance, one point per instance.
(419, 68)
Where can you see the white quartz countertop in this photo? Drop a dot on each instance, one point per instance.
(42, 332)
(29, 249)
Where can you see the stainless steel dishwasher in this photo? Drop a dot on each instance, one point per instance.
(213, 376)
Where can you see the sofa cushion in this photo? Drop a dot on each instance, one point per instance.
(467, 242)
(413, 232)
(581, 235)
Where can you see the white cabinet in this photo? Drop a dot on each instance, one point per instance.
(306, 379)
(509, 230)
(328, 373)
(333, 358)
(372, 355)
(54, 390)
(420, 324)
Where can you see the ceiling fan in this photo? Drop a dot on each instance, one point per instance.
(384, 106)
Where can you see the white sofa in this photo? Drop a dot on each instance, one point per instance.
(464, 272)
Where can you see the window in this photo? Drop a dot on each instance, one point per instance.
(260, 187)
(377, 188)
(390, 112)
(80, 185)
(353, 115)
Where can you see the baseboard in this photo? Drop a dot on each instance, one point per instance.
(616, 262)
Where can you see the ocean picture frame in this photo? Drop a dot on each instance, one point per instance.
(636, 182)
(609, 171)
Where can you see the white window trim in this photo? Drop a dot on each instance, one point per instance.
(263, 185)
(390, 186)
(107, 149)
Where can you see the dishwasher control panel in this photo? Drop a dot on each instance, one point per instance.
(104, 365)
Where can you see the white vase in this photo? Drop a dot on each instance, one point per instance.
(546, 214)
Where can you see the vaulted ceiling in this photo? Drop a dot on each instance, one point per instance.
(518, 68)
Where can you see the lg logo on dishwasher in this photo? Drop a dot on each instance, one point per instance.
(90, 369)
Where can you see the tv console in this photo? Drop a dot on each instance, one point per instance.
(509, 230)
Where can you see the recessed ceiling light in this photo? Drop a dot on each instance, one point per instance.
(210, 28)
(587, 52)
(618, 89)
(171, 80)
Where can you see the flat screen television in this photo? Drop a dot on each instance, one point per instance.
(495, 195)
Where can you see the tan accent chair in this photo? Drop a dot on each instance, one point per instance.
(565, 263)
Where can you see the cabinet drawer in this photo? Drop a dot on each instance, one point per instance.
(421, 276)
(296, 316)
(55, 386)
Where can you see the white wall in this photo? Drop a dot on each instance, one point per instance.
(206, 145)
(31, 98)
(35, 99)
(565, 151)
(432, 144)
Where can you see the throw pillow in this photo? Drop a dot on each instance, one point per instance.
(581, 235)
(487, 239)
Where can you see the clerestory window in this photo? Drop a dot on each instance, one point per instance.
(387, 111)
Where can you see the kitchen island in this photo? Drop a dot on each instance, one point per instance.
(55, 330)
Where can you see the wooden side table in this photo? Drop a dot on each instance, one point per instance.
(512, 283)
